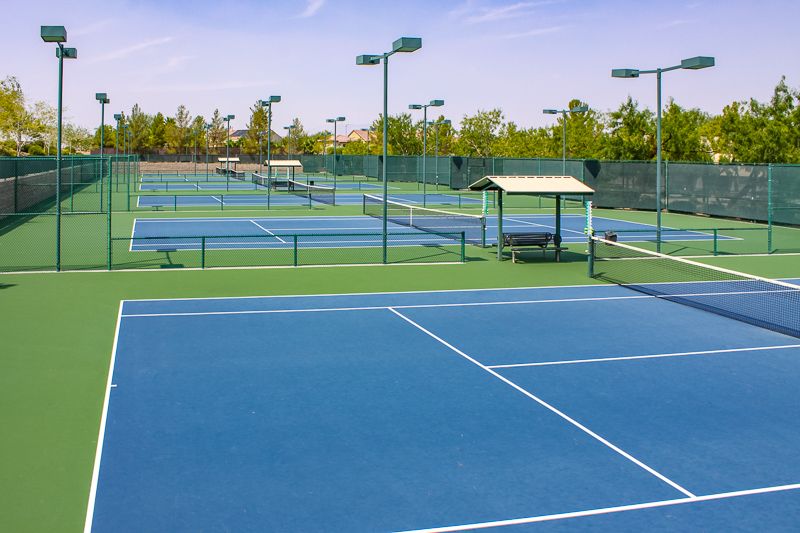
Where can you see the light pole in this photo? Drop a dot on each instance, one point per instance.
(207, 127)
(58, 35)
(289, 140)
(261, 150)
(117, 117)
(403, 44)
(577, 109)
(424, 107)
(103, 99)
(334, 121)
(694, 63)
(436, 126)
(268, 104)
(228, 145)
(195, 151)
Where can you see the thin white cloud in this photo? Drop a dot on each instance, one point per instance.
(122, 52)
(97, 27)
(476, 15)
(535, 33)
(676, 23)
(312, 8)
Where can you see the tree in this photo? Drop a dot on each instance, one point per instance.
(140, 128)
(478, 134)
(218, 133)
(402, 136)
(157, 132)
(680, 134)
(259, 120)
(178, 129)
(16, 121)
(631, 133)
(77, 138)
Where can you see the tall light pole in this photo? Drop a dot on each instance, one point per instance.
(117, 117)
(694, 63)
(289, 129)
(577, 109)
(207, 127)
(436, 126)
(424, 107)
(103, 99)
(261, 150)
(268, 105)
(195, 151)
(58, 35)
(228, 145)
(334, 121)
(403, 44)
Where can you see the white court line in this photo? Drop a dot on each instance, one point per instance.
(551, 408)
(101, 437)
(653, 356)
(605, 510)
(268, 231)
(545, 226)
(370, 308)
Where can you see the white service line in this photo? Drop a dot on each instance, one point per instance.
(268, 231)
(551, 408)
(652, 356)
(605, 510)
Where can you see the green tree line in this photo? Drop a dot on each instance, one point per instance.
(745, 132)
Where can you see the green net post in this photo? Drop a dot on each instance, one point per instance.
(175, 199)
(202, 252)
(463, 248)
(221, 202)
(716, 240)
(591, 256)
(295, 249)
(769, 209)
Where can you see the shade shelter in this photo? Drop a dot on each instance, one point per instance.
(557, 186)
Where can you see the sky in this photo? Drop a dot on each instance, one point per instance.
(518, 56)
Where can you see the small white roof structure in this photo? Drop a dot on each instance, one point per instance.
(552, 185)
(228, 159)
(283, 163)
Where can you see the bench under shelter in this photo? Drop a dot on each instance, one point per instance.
(553, 186)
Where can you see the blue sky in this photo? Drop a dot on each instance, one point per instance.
(519, 56)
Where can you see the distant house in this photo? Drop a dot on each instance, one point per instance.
(341, 140)
(238, 134)
(361, 135)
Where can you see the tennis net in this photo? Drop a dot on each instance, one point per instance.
(316, 193)
(430, 220)
(763, 302)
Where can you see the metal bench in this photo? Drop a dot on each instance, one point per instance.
(520, 242)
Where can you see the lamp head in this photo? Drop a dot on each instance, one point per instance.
(231, 117)
(625, 73)
(698, 62)
(118, 116)
(436, 103)
(273, 99)
(415, 106)
(340, 119)
(407, 44)
(368, 60)
(330, 120)
(579, 109)
(67, 53)
(446, 121)
(549, 111)
(54, 34)
(101, 96)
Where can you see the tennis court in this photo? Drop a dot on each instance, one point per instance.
(148, 230)
(581, 408)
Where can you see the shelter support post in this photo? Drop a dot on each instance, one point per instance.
(499, 225)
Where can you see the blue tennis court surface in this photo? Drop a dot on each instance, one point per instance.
(272, 228)
(552, 409)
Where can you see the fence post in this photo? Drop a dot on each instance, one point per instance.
(202, 252)
(769, 209)
(295, 249)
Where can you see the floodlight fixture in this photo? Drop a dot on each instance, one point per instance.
(696, 63)
(404, 44)
(54, 34)
(436, 103)
(268, 104)
(549, 111)
(693, 63)
(407, 44)
(118, 116)
(228, 119)
(415, 106)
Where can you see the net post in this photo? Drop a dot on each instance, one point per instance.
(294, 237)
(175, 199)
(202, 252)
(463, 248)
(363, 204)
(591, 256)
(716, 235)
(221, 202)
(769, 209)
